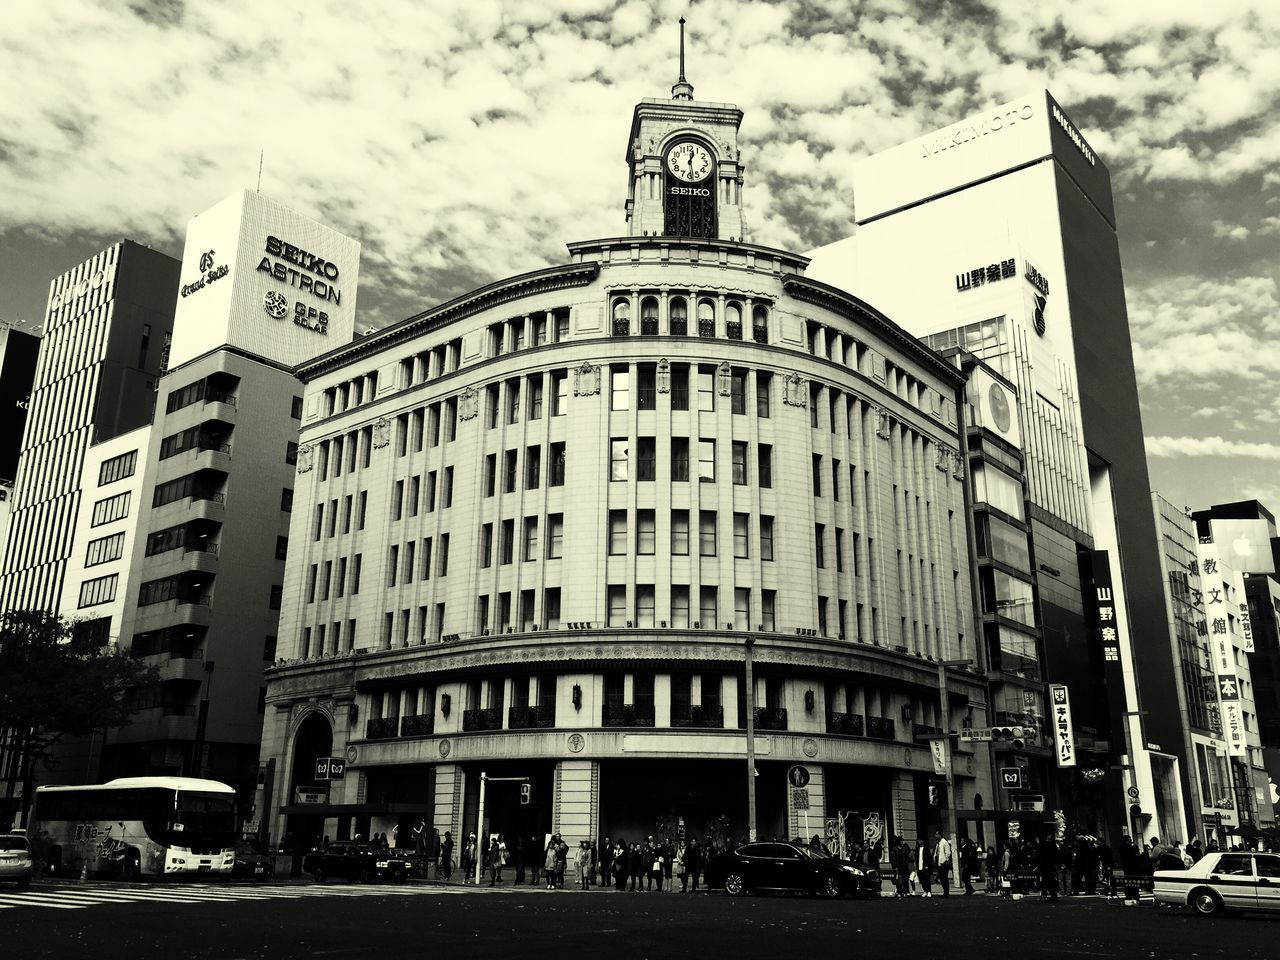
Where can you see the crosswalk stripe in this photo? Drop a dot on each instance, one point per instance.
(111, 896)
(21, 901)
(75, 898)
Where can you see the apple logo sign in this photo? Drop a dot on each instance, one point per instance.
(999, 408)
(1242, 546)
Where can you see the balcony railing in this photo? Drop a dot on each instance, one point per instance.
(880, 728)
(215, 445)
(421, 725)
(846, 723)
(760, 334)
(706, 328)
(622, 328)
(771, 718)
(532, 718)
(628, 715)
(210, 496)
(919, 730)
(215, 396)
(649, 326)
(199, 600)
(733, 330)
(202, 546)
(383, 728)
(482, 718)
(704, 717)
(679, 328)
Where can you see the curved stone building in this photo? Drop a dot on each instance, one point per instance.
(537, 531)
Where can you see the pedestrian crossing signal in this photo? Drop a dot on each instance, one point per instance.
(526, 793)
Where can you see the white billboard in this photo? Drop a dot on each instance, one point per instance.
(995, 406)
(1063, 735)
(258, 276)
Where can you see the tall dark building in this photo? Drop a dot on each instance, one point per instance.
(18, 353)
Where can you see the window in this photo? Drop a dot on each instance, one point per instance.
(360, 512)
(104, 550)
(355, 573)
(555, 535)
(617, 532)
(110, 508)
(707, 607)
(680, 533)
(733, 321)
(679, 386)
(530, 539)
(646, 532)
(414, 492)
(621, 318)
(706, 461)
(291, 454)
(742, 609)
(532, 467)
(646, 458)
(764, 382)
(535, 397)
(679, 311)
(393, 561)
(739, 462)
(680, 606)
(620, 388)
(275, 596)
(491, 405)
(317, 523)
(706, 318)
(764, 465)
(645, 605)
(490, 474)
(835, 479)
(185, 397)
(647, 386)
(444, 561)
(157, 591)
(768, 599)
(819, 538)
(426, 559)
(760, 325)
(738, 390)
(539, 331)
(506, 538)
(312, 578)
(100, 590)
(295, 411)
(741, 530)
(649, 317)
(706, 388)
(397, 501)
(162, 541)
(509, 471)
(559, 392)
(817, 474)
(617, 608)
(486, 544)
(618, 452)
(513, 402)
(766, 538)
(839, 550)
(447, 496)
(117, 468)
(286, 500)
(556, 465)
(551, 609)
(679, 458)
(707, 533)
(340, 581)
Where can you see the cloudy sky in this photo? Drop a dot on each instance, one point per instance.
(464, 141)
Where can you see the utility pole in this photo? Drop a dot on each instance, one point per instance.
(480, 837)
(750, 703)
(944, 719)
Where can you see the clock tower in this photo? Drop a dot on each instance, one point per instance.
(685, 172)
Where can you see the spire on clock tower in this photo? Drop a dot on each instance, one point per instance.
(683, 89)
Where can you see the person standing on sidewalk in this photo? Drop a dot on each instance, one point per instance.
(693, 860)
(942, 863)
(549, 864)
(1047, 857)
(924, 866)
(968, 864)
(446, 856)
(901, 860)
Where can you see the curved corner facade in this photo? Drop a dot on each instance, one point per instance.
(538, 530)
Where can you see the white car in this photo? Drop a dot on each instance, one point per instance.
(1234, 880)
(15, 859)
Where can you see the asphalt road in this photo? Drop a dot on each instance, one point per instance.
(276, 922)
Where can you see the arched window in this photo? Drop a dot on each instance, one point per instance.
(760, 325)
(649, 317)
(621, 317)
(733, 321)
(706, 318)
(679, 317)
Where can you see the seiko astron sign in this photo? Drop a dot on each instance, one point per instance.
(258, 276)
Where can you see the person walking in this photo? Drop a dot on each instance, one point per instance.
(606, 864)
(924, 867)
(550, 863)
(678, 867)
(582, 864)
(1047, 858)
(993, 870)
(942, 863)
(636, 867)
(968, 864)
(446, 856)
(493, 860)
(469, 860)
(900, 857)
(694, 860)
(519, 858)
(562, 860)
(533, 852)
(619, 864)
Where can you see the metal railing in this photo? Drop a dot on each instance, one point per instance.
(846, 723)
(419, 725)
(628, 715)
(760, 334)
(206, 547)
(733, 330)
(771, 718)
(702, 717)
(482, 718)
(880, 728)
(919, 730)
(541, 716)
(679, 328)
(381, 728)
(214, 397)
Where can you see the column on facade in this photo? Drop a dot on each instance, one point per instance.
(902, 799)
(576, 803)
(450, 784)
(802, 821)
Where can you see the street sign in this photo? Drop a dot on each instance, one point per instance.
(974, 735)
(1011, 778)
(309, 795)
(526, 793)
(798, 776)
(1133, 793)
(800, 798)
(330, 768)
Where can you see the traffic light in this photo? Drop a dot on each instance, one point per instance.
(933, 794)
(526, 792)
(1016, 737)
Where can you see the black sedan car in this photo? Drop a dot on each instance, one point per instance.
(780, 865)
(251, 862)
(355, 861)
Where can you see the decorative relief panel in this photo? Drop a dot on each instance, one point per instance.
(942, 457)
(724, 379)
(882, 423)
(795, 392)
(381, 432)
(305, 453)
(586, 380)
(468, 404)
(664, 376)
(957, 465)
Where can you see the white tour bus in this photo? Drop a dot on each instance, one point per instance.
(136, 826)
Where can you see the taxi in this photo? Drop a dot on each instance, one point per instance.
(1234, 880)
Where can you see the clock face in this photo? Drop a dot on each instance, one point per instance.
(689, 161)
(1000, 412)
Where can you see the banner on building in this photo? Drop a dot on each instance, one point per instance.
(1063, 736)
(1217, 626)
(939, 748)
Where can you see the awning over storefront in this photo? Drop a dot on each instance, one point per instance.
(354, 809)
(1248, 831)
(1006, 816)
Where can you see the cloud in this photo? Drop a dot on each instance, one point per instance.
(1217, 447)
(1230, 231)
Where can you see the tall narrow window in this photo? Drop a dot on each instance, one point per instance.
(646, 458)
(680, 533)
(766, 538)
(646, 532)
(679, 311)
(647, 386)
(706, 460)
(617, 532)
(741, 538)
(739, 462)
(707, 533)
(679, 386)
(555, 536)
(618, 453)
(620, 388)
(680, 458)
(649, 317)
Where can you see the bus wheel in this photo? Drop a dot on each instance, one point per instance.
(132, 868)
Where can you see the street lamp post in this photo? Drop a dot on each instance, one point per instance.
(749, 702)
(948, 774)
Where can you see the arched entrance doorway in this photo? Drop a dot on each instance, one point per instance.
(303, 831)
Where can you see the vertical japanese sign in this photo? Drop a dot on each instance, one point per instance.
(939, 748)
(1104, 627)
(1246, 628)
(1222, 653)
(1064, 739)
